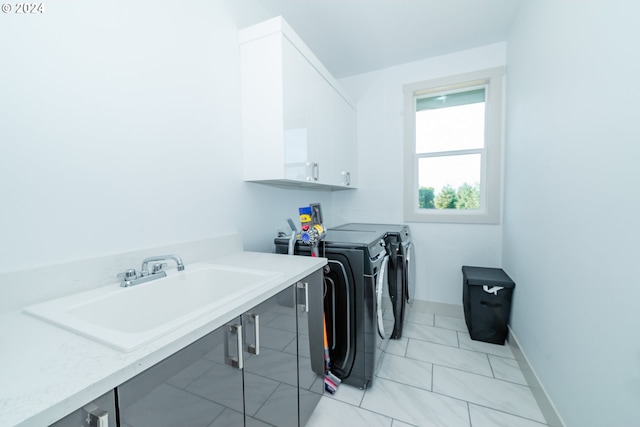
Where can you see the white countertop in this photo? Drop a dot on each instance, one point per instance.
(47, 372)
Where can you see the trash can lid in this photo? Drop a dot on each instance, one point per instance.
(484, 276)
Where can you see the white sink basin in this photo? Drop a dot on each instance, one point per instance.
(127, 318)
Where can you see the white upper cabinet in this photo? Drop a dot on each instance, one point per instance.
(298, 128)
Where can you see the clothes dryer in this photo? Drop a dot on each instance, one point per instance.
(355, 276)
(402, 270)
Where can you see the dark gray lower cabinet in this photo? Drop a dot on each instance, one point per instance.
(253, 371)
(172, 392)
(270, 373)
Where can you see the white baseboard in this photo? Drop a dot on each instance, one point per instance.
(546, 405)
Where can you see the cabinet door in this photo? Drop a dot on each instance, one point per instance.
(101, 412)
(321, 139)
(345, 141)
(200, 385)
(271, 377)
(333, 140)
(262, 108)
(310, 315)
(297, 75)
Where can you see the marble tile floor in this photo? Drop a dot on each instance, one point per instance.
(436, 376)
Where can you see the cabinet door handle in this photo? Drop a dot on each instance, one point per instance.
(305, 285)
(346, 178)
(93, 415)
(236, 362)
(255, 347)
(313, 171)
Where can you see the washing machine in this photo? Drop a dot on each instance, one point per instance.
(402, 273)
(355, 276)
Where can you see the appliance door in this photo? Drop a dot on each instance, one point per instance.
(340, 310)
(399, 303)
(381, 282)
(410, 268)
(384, 317)
(397, 283)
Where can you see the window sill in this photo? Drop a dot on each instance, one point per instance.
(452, 217)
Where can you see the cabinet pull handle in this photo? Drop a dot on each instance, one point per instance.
(236, 362)
(312, 171)
(255, 347)
(346, 178)
(305, 285)
(93, 415)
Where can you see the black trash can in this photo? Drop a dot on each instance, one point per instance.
(486, 297)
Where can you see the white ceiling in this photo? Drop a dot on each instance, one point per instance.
(357, 36)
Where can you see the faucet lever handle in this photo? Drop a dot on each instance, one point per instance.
(157, 268)
(128, 275)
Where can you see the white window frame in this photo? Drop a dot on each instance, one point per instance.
(491, 168)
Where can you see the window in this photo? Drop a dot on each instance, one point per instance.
(453, 140)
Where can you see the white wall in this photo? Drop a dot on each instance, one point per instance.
(120, 130)
(571, 204)
(441, 249)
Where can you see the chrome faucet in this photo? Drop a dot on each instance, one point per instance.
(131, 278)
(158, 267)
